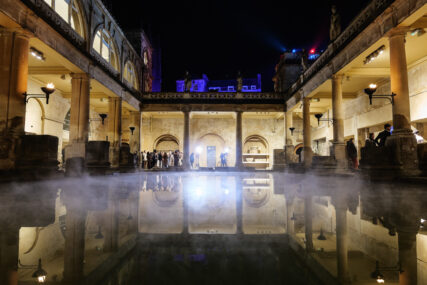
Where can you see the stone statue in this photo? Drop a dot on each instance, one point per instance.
(304, 59)
(335, 29)
(239, 82)
(187, 82)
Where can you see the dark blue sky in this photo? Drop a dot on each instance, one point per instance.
(220, 37)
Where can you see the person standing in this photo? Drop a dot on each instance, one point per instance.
(144, 159)
(155, 159)
(370, 142)
(381, 138)
(192, 160)
(149, 159)
(160, 159)
(176, 158)
(352, 154)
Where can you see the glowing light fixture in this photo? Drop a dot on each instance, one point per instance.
(374, 55)
(377, 275)
(372, 89)
(226, 150)
(199, 149)
(49, 89)
(313, 51)
(37, 54)
(418, 32)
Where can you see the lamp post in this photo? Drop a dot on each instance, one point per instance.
(49, 89)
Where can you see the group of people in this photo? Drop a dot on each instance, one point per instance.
(161, 159)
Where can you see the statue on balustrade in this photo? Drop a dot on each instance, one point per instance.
(239, 82)
(187, 82)
(335, 29)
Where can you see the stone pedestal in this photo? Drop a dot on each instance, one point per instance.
(115, 129)
(14, 44)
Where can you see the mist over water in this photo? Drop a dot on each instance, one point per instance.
(210, 228)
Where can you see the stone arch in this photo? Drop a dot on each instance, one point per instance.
(255, 144)
(167, 141)
(205, 141)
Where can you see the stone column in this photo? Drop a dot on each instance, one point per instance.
(239, 158)
(135, 139)
(342, 243)
(111, 223)
(115, 129)
(307, 151)
(74, 250)
(186, 158)
(75, 153)
(290, 224)
(14, 44)
(407, 242)
(289, 145)
(9, 245)
(239, 206)
(308, 215)
(402, 142)
(338, 121)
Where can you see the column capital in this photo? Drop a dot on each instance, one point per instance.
(398, 32)
(337, 77)
(82, 76)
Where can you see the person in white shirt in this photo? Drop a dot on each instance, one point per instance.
(419, 138)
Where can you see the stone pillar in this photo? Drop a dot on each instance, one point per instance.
(308, 215)
(402, 142)
(239, 148)
(14, 44)
(75, 153)
(307, 151)
(135, 139)
(289, 145)
(290, 224)
(338, 121)
(186, 158)
(9, 248)
(111, 223)
(115, 129)
(407, 241)
(239, 206)
(74, 251)
(342, 243)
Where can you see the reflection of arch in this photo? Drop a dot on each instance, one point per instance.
(165, 199)
(167, 140)
(256, 197)
(256, 141)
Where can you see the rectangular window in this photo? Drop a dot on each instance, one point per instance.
(230, 88)
(97, 42)
(245, 87)
(61, 7)
(253, 87)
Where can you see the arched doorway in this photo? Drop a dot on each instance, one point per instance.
(256, 152)
(166, 143)
(207, 150)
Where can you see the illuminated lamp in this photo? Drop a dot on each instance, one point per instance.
(49, 89)
(40, 274)
(312, 51)
(372, 89)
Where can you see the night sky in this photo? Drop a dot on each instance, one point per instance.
(220, 37)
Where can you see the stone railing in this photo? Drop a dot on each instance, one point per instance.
(213, 96)
(366, 17)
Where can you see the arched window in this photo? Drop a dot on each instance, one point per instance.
(104, 45)
(129, 74)
(69, 11)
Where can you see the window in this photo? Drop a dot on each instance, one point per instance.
(104, 45)
(130, 75)
(230, 88)
(245, 88)
(253, 87)
(70, 12)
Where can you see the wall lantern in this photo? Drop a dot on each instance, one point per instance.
(103, 116)
(40, 274)
(37, 54)
(49, 89)
(132, 129)
(377, 275)
(374, 55)
(292, 129)
(372, 89)
(319, 119)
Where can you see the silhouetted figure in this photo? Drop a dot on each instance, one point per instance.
(352, 153)
(370, 142)
(381, 138)
(187, 82)
(239, 82)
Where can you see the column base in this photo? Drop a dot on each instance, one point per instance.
(114, 157)
(340, 155)
(403, 150)
(290, 157)
(307, 156)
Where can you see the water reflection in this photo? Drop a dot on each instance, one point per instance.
(217, 226)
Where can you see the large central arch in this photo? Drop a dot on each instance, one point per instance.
(255, 143)
(212, 143)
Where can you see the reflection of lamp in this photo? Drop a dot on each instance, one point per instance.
(377, 273)
(293, 218)
(103, 116)
(40, 274)
(132, 129)
(49, 89)
(372, 89)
